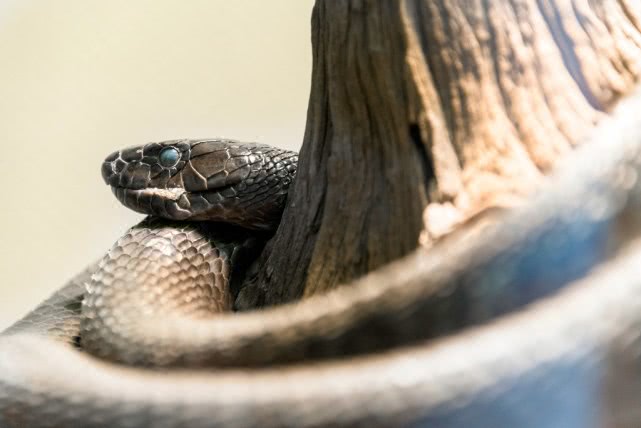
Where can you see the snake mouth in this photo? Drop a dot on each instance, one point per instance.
(172, 194)
(174, 203)
(171, 203)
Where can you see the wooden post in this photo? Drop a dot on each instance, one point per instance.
(423, 113)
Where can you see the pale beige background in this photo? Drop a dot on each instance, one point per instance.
(81, 78)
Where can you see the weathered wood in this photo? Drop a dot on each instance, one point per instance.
(423, 113)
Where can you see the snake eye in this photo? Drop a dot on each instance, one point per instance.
(169, 157)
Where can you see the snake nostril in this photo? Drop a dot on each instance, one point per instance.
(119, 165)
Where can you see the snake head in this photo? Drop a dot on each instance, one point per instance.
(217, 180)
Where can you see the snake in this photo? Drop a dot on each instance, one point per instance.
(533, 320)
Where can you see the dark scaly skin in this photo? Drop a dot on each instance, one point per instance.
(163, 273)
(539, 366)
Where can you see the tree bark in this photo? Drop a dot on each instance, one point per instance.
(424, 113)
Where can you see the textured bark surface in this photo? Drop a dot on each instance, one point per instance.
(424, 113)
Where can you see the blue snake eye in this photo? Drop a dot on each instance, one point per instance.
(169, 157)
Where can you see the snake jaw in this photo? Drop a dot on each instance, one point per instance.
(173, 194)
(167, 203)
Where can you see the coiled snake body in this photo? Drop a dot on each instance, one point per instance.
(544, 302)
(179, 275)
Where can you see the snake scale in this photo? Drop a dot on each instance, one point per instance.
(533, 321)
